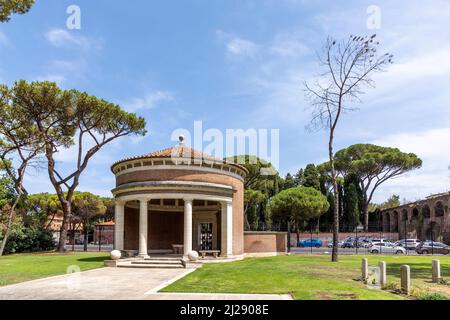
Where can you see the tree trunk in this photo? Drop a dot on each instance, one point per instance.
(67, 213)
(85, 230)
(9, 224)
(366, 216)
(246, 219)
(335, 249)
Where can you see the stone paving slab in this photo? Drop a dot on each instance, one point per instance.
(103, 283)
(115, 284)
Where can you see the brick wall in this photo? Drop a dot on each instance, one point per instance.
(264, 242)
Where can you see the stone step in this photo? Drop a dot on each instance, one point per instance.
(163, 258)
(151, 266)
(154, 261)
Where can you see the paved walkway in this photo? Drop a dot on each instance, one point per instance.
(114, 284)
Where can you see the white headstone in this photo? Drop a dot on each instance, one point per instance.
(405, 275)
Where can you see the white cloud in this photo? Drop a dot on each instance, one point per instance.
(64, 38)
(237, 46)
(150, 101)
(59, 79)
(3, 39)
(434, 177)
(289, 45)
(240, 46)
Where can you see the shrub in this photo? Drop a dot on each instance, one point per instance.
(433, 296)
(30, 240)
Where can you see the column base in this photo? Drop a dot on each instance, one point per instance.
(143, 256)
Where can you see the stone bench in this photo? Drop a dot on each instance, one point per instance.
(177, 248)
(215, 253)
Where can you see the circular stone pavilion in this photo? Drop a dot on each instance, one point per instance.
(179, 200)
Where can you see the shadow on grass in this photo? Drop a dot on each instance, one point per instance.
(93, 259)
(419, 270)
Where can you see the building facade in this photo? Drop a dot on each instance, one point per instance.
(178, 199)
(427, 219)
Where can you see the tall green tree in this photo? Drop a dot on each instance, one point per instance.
(351, 203)
(298, 205)
(373, 165)
(289, 182)
(258, 186)
(253, 199)
(299, 177)
(347, 69)
(42, 209)
(20, 148)
(391, 202)
(9, 7)
(66, 118)
(87, 208)
(109, 203)
(311, 177)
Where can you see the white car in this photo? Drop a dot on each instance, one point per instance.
(340, 243)
(410, 244)
(385, 247)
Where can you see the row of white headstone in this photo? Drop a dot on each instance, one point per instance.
(375, 277)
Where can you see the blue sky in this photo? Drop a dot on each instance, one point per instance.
(241, 64)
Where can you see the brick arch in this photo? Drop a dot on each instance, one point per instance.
(394, 221)
(386, 221)
(426, 211)
(439, 209)
(404, 215)
(415, 213)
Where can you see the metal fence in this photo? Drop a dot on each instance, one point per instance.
(409, 239)
(76, 239)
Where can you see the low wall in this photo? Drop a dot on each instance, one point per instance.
(264, 243)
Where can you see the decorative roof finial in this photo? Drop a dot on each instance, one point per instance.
(181, 139)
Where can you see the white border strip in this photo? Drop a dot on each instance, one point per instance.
(170, 281)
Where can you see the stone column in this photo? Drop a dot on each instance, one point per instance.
(119, 219)
(227, 229)
(187, 226)
(143, 226)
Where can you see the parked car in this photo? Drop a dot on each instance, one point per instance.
(316, 243)
(349, 243)
(380, 240)
(410, 244)
(384, 247)
(340, 244)
(353, 243)
(427, 247)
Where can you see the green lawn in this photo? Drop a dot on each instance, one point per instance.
(23, 267)
(310, 277)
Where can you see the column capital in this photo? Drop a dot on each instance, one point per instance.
(188, 199)
(142, 199)
(119, 202)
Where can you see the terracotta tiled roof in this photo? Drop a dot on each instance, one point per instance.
(180, 151)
